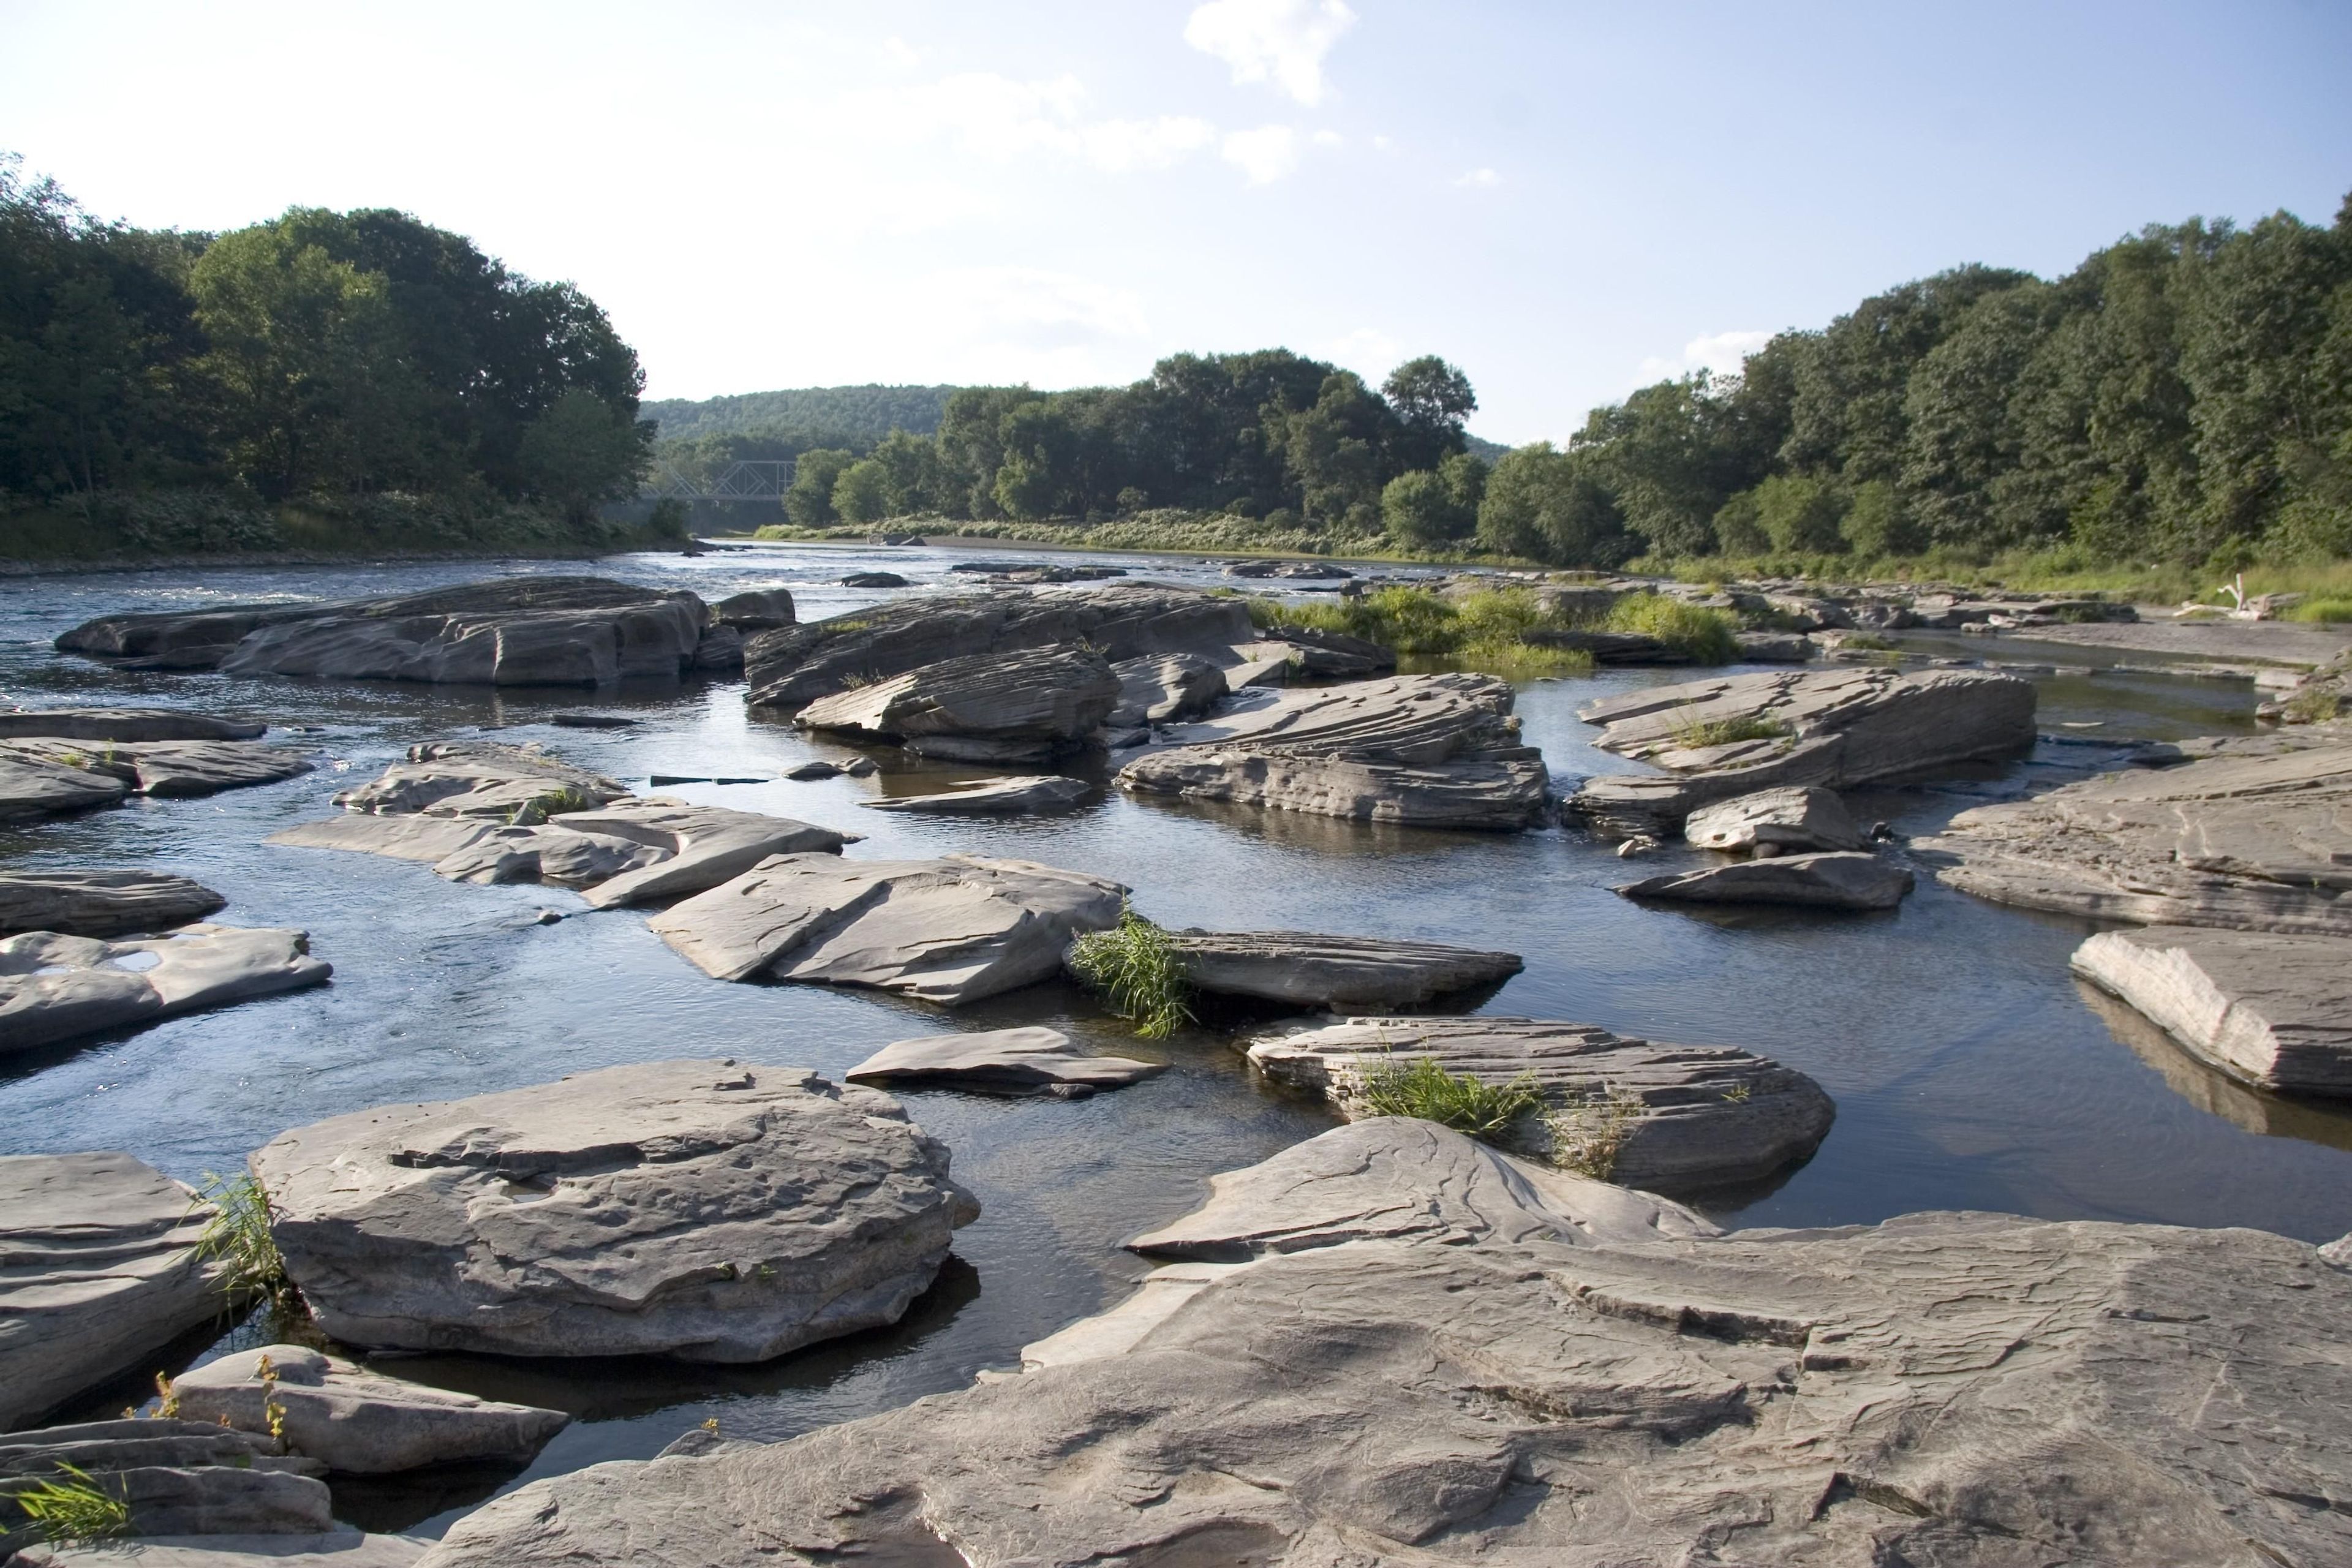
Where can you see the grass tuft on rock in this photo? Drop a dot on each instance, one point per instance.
(237, 1237)
(550, 802)
(1135, 968)
(1588, 1136)
(1696, 734)
(1420, 1087)
(1708, 637)
(76, 1510)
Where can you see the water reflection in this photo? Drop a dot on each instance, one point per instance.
(2210, 1088)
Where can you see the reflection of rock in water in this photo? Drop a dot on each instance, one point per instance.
(1322, 834)
(2211, 1090)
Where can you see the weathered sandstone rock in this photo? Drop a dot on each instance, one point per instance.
(338, 1548)
(2255, 841)
(1658, 1117)
(100, 903)
(1775, 647)
(707, 1210)
(1806, 817)
(179, 1478)
(792, 667)
(760, 610)
(2275, 1011)
(1301, 969)
(874, 580)
(38, 773)
(1025, 706)
(1432, 751)
(125, 724)
(1836, 880)
(1006, 1061)
(1038, 795)
(97, 1269)
(480, 778)
(33, 786)
(1334, 655)
(1161, 688)
(951, 930)
(54, 987)
(354, 1421)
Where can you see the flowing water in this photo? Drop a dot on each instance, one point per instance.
(1969, 1071)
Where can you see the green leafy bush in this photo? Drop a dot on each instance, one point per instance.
(1135, 968)
(1708, 635)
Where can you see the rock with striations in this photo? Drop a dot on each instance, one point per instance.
(1517, 1367)
(1302, 969)
(509, 631)
(479, 779)
(795, 666)
(125, 724)
(1800, 818)
(177, 1478)
(1429, 750)
(342, 1547)
(1038, 794)
(707, 1210)
(46, 774)
(951, 930)
(100, 903)
(1775, 647)
(2255, 841)
(1843, 879)
(55, 987)
(2274, 1011)
(1025, 706)
(758, 610)
(1658, 1117)
(1163, 688)
(99, 1269)
(1837, 728)
(358, 1421)
(32, 785)
(1031, 1060)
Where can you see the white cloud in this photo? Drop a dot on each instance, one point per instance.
(1719, 353)
(897, 54)
(1119, 145)
(994, 116)
(1033, 308)
(1281, 41)
(1329, 139)
(1485, 179)
(1266, 155)
(1369, 351)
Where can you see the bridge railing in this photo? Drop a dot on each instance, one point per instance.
(750, 479)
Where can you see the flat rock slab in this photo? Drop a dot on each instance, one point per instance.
(97, 1269)
(949, 931)
(2258, 841)
(2274, 1011)
(480, 778)
(1838, 880)
(100, 903)
(31, 786)
(1960, 1389)
(125, 725)
(1302, 969)
(1006, 1061)
(508, 631)
(1658, 1117)
(1804, 818)
(1432, 751)
(340, 1548)
(179, 1478)
(54, 987)
(1026, 705)
(708, 1210)
(1036, 794)
(354, 1421)
(757, 610)
(159, 768)
(1162, 689)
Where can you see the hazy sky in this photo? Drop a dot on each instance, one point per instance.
(1567, 200)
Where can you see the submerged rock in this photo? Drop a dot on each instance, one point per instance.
(1301, 969)
(2274, 1011)
(1837, 881)
(1806, 817)
(1161, 688)
(354, 1421)
(125, 725)
(1021, 707)
(100, 903)
(1038, 794)
(951, 930)
(54, 987)
(707, 1210)
(2247, 842)
(178, 1478)
(1006, 1061)
(98, 1270)
(1432, 751)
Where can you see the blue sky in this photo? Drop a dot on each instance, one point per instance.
(1568, 200)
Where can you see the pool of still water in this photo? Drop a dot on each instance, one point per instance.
(1969, 1071)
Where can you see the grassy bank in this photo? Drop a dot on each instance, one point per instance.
(1175, 531)
(1503, 630)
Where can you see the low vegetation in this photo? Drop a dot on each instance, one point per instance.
(2328, 611)
(237, 1239)
(1708, 637)
(77, 1509)
(1134, 967)
(550, 802)
(1588, 1135)
(1421, 1087)
(1694, 733)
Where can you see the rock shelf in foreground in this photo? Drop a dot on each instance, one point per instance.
(2274, 1011)
(357, 1422)
(710, 1210)
(54, 987)
(1474, 1361)
(100, 903)
(179, 1478)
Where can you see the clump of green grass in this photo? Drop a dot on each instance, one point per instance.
(1135, 968)
(550, 802)
(2328, 612)
(1870, 641)
(75, 1509)
(1708, 637)
(1588, 1135)
(237, 1237)
(1488, 630)
(2315, 705)
(1421, 1087)
(1693, 733)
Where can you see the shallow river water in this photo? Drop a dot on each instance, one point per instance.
(1969, 1071)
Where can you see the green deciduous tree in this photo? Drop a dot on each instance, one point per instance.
(809, 502)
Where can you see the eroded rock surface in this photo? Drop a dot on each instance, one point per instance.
(338, 1548)
(1035, 795)
(2275, 1011)
(54, 987)
(1031, 1060)
(1303, 969)
(32, 785)
(1162, 689)
(1025, 706)
(710, 1210)
(41, 775)
(358, 1421)
(1805, 817)
(100, 903)
(1836, 880)
(949, 931)
(480, 778)
(125, 725)
(179, 1478)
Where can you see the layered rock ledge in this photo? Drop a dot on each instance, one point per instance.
(54, 987)
(100, 903)
(1303, 969)
(177, 1478)
(1027, 706)
(1030, 1060)
(1838, 879)
(44, 775)
(2274, 1010)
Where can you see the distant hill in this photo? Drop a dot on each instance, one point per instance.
(860, 413)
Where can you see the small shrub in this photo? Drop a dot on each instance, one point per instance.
(75, 1509)
(1693, 733)
(238, 1237)
(547, 804)
(1588, 1136)
(1706, 635)
(1868, 641)
(2326, 611)
(1499, 655)
(1135, 968)
(1421, 1088)
(2315, 705)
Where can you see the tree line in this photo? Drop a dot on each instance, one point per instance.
(319, 354)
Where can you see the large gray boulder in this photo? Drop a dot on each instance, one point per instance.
(354, 1421)
(1030, 1060)
(2274, 1011)
(1303, 969)
(1429, 750)
(756, 610)
(2259, 841)
(1638, 1113)
(1837, 881)
(949, 931)
(100, 903)
(1032, 794)
(1834, 728)
(37, 773)
(178, 1478)
(98, 1269)
(125, 725)
(1514, 1368)
(509, 631)
(1025, 706)
(33, 785)
(55, 987)
(707, 1210)
(797, 665)
(1161, 688)
(480, 778)
(1799, 819)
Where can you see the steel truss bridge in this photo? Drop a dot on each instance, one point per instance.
(761, 482)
